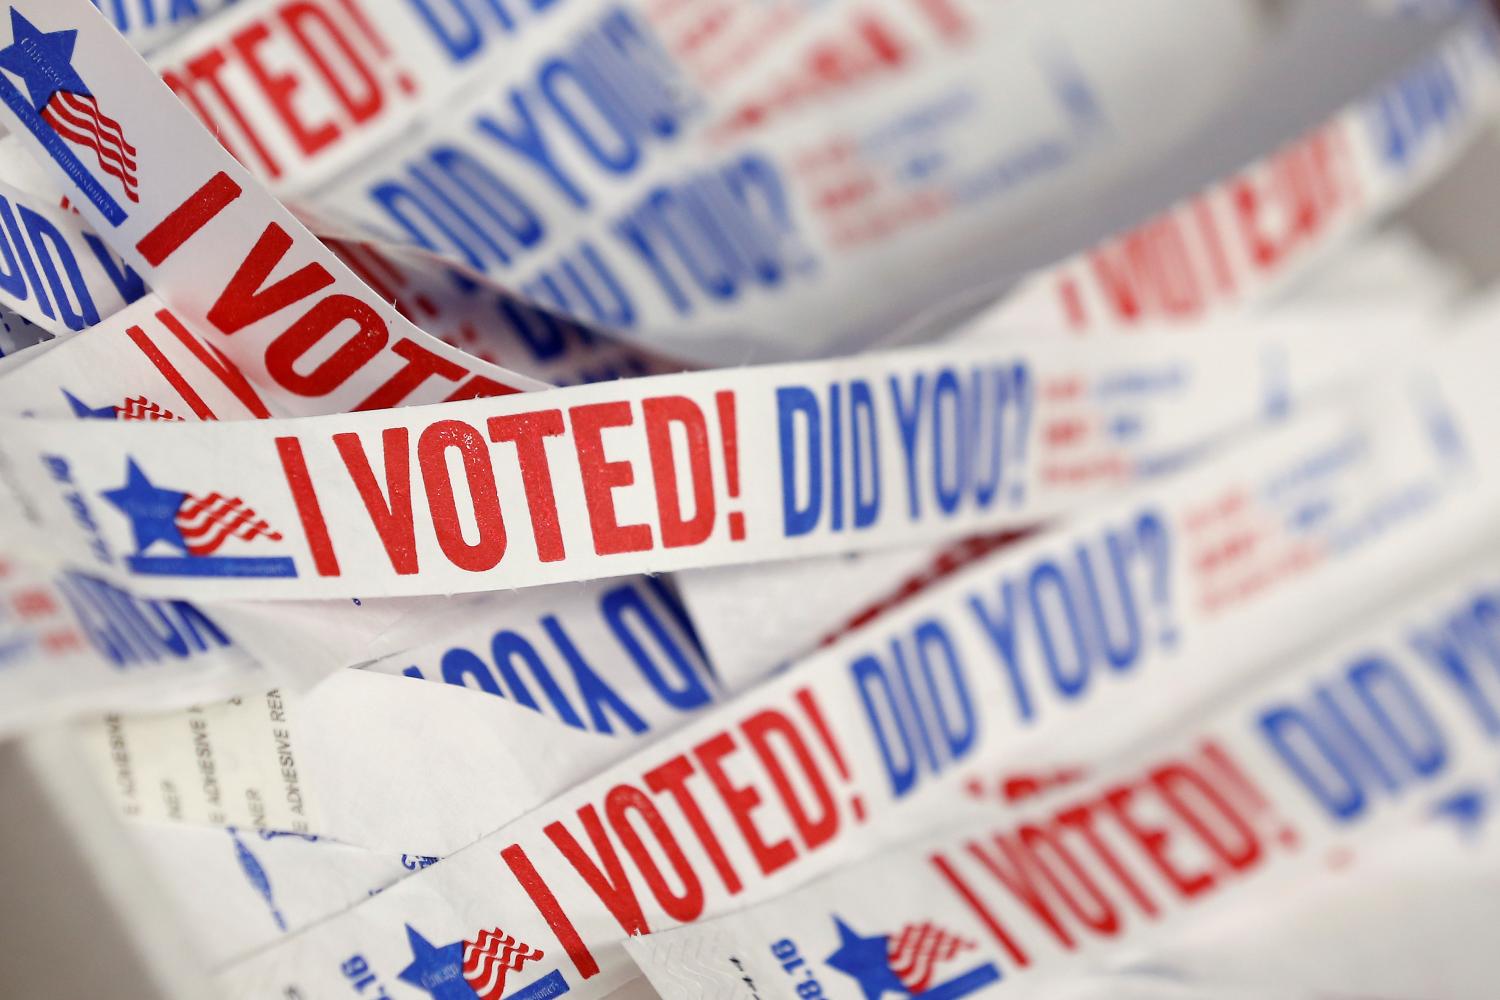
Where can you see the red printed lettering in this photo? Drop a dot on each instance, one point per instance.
(602, 477)
(432, 455)
(660, 413)
(527, 431)
(247, 299)
(390, 512)
(741, 801)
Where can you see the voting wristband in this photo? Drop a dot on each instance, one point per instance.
(616, 657)
(641, 475)
(1306, 768)
(781, 242)
(810, 769)
(160, 192)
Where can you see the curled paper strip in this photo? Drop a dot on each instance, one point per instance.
(1249, 234)
(160, 191)
(60, 276)
(1306, 768)
(642, 167)
(813, 768)
(641, 475)
(353, 401)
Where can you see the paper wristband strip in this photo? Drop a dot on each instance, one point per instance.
(560, 681)
(1208, 257)
(1247, 235)
(299, 403)
(1143, 594)
(763, 245)
(634, 476)
(74, 643)
(1235, 242)
(146, 24)
(143, 365)
(208, 238)
(865, 739)
(175, 376)
(840, 219)
(71, 642)
(615, 657)
(61, 276)
(567, 653)
(471, 323)
(367, 75)
(1394, 725)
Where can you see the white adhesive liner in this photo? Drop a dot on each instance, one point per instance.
(1259, 787)
(353, 760)
(812, 768)
(241, 889)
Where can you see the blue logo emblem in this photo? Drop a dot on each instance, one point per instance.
(62, 113)
(906, 963)
(476, 970)
(192, 529)
(133, 408)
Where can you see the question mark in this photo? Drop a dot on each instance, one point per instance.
(1023, 396)
(1151, 535)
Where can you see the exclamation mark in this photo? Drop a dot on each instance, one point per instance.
(1250, 796)
(403, 79)
(815, 716)
(729, 434)
(1072, 303)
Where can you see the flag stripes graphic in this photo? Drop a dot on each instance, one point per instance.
(77, 118)
(490, 957)
(141, 408)
(915, 952)
(208, 522)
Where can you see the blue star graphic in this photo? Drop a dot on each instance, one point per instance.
(151, 509)
(87, 412)
(439, 971)
(865, 959)
(42, 59)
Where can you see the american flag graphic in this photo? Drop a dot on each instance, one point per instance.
(915, 952)
(490, 957)
(208, 522)
(77, 118)
(141, 408)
